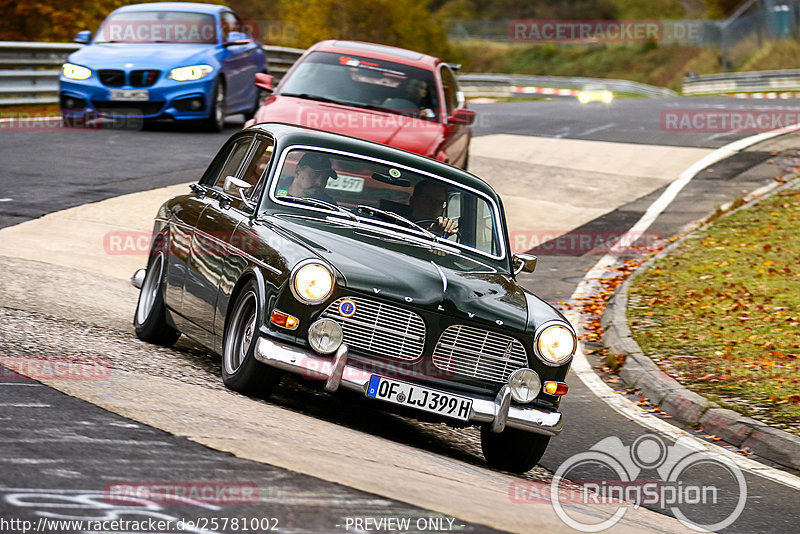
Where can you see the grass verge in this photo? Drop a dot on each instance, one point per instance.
(721, 312)
(29, 110)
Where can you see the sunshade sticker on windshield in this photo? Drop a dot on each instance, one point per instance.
(353, 62)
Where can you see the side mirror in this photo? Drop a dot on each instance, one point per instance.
(523, 263)
(462, 116)
(234, 185)
(237, 187)
(83, 37)
(236, 38)
(265, 81)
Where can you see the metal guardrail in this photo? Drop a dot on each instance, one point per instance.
(29, 71)
(29, 75)
(504, 84)
(743, 82)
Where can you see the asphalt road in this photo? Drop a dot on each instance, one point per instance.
(45, 171)
(633, 120)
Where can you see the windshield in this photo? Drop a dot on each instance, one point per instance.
(158, 27)
(382, 194)
(365, 82)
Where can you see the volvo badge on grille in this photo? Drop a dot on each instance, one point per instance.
(347, 308)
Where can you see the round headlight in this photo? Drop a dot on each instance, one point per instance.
(75, 72)
(556, 344)
(525, 385)
(312, 282)
(325, 336)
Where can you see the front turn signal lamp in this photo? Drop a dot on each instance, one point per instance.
(190, 73)
(555, 388)
(75, 72)
(284, 320)
(555, 344)
(311, 282)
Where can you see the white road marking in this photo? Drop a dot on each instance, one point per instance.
(6, 199)
(598, 128)
(24, 405)
(590, 282)
(29, 119)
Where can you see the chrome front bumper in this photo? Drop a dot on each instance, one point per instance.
(336, 372)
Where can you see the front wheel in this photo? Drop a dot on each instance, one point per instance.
(240, 370)
(216, 115)
(513, 450)
(150, 319)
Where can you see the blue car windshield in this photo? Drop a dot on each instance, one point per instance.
(158, 27)
(365, 82)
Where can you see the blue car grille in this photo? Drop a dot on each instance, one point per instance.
(143, 78)
(469, 351)
(111, 77)
(380, 329)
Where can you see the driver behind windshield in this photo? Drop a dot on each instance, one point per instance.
(415, 96)
(427, 203)
(310, 178)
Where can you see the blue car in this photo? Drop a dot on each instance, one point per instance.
(182, 61)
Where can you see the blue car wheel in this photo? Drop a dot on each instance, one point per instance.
(216, 114)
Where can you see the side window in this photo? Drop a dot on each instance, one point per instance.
(230, 23)
(235, 158)
(256, 171)
(450, 87)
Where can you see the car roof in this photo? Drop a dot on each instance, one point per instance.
(188, 7)
(378, 51)
(290, 134)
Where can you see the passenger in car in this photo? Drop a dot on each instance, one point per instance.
(310, 178)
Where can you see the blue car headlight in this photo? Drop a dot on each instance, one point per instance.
(75, 72)
(190, 73)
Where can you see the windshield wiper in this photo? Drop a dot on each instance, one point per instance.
(391, 216)
(309, 201)
(309, 96)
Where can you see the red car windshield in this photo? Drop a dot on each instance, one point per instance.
(365, 82)
(158, 27)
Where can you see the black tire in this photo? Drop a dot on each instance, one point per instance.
(240, 370)
(513, 450)
(216, 115)
(150, 319)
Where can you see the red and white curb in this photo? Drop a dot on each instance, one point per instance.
(553, 91)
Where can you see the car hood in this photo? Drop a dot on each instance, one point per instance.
(375, 263)
(140, 55)
(415, 135)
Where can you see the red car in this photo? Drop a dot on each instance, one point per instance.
(381, 93)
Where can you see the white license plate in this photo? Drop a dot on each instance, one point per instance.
(130, 95)
(419, 397)
(351, 184)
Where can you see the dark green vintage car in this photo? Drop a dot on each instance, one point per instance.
(367, 268)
